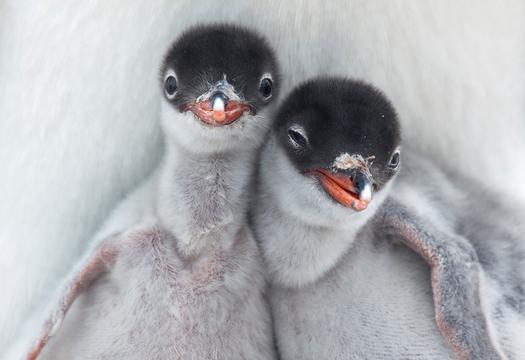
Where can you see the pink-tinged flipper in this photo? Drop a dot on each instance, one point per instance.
(456, 277)
(97, 262)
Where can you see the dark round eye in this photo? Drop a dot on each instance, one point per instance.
(265, 88)
(394, 160)
(297, 139)
(170, 86)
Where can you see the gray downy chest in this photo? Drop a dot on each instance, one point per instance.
(375, 304)
(153, 305)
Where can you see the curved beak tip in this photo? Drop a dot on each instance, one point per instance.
(366, 193)
(351, 191)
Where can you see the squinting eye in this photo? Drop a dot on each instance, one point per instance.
(265, 88)
(394, 160)
(297, 139)
(170, 86)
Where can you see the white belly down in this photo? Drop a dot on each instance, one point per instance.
(375, 304)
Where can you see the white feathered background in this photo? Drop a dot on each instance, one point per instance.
(79, 102)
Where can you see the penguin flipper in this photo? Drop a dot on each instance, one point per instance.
(456, 277)
(98, 261)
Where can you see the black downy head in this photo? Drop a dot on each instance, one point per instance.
(219, 72)
(344, 133)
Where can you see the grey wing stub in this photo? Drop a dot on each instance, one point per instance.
(98, 261)
(456, 277)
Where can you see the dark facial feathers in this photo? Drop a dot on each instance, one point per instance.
(339, 116)
(206, 54)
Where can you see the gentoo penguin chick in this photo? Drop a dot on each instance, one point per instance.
(324, 220)
(178, 274)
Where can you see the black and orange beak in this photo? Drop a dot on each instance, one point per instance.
(218, 110)
(353, 190)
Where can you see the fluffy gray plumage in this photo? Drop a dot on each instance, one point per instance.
(79, 82)
(434, 267)
(175, 273)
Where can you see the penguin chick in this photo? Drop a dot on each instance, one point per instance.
(322, 213)
(178, 272)
(334, 147)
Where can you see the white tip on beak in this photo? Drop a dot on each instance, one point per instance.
(366, 193)
(218, 104)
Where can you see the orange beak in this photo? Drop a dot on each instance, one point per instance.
(342, 189)
(214, 116)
